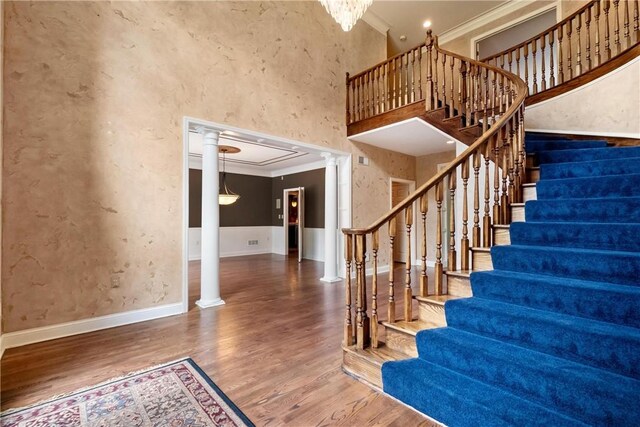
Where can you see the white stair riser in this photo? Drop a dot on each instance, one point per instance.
(529, 193)
(517, 214)
(501, 237)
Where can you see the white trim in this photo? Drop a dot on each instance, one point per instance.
(45, 333)
(586, 133)
(185, 215)
(1, 346)
(320, 164)
(513, 23)
(376, 22)
(483, 19)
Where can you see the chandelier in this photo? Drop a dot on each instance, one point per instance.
(226, 196)
(346, 12)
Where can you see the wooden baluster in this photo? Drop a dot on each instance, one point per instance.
(384, 89)
(348, 93)
(362, 329)
(391, 307)
(510, 59)
(636, 20)
(413, 75)
(452, 261)
(464, 244)
(375, 241)
(534, 65)
(348, 255)
(512, 172)
(518, 63)
(569, 57)
(452, 112)
(444, 83)
(408, 297)
(616, 27)
(560, 60)
(468, 94)
(485, 121)
(361, 97)
(392, 84)
(504, 198)
(420, 73)
(476, 200)
(430, 101)
(606, 4)
(462, 89)
(367, 96)
(522, 148)
(627, 36)
(424, 281)
(543, 79)
(438, 266)
(526, 63)
(587, 36)
(436, 82)
(407, 80)
(552, 77)
(578, 69)
(496, 180)
(486, 220)
(374, 94)
(596, 18)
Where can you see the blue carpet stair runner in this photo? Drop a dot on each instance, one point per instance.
(551, 336)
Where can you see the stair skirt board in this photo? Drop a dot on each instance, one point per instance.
(551, 335)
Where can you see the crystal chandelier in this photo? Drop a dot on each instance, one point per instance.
(346, 12)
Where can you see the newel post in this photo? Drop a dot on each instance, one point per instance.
(430, 42)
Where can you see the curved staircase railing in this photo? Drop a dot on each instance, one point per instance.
(585, 41)
(489, 101)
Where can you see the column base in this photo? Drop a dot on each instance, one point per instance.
(331, 279)
(210, 303)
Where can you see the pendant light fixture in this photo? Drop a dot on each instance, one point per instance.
(226, 196)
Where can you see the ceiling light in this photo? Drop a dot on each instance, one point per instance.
(226, 196)
(346, 12)
(426, 24)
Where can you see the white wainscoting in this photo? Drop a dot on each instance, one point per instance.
(234, 242)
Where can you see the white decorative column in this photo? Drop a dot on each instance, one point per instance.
(330, 220)
(210, 240)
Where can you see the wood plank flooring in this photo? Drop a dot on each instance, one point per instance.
(274, 349)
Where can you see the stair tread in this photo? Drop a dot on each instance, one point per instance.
(411, 328)
(377, 355)
(502, 226)
(480, 249)
(529, 184)
(437, 299)
(458, 273)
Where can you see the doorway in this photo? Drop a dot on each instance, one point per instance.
(399, 190)
(293, 222)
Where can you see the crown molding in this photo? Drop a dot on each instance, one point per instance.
(483, 19)
(376, 22)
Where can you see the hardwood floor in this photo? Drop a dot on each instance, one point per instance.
(274, 349)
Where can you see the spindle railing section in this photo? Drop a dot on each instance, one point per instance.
(593, 35)
(492, 169)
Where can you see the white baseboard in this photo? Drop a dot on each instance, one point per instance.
(45, 333)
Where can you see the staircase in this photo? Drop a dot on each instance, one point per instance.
(534, 316)
(552, 333)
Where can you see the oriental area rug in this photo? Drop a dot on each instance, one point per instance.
(175, 394)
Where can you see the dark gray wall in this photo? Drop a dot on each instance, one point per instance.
(313, 183)
(257, 203)
(251, 210)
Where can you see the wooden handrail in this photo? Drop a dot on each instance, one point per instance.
(545, 32)
(484, 98)
(595, 34)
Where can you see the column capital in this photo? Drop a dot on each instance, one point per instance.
(210, 136)
(329, 158)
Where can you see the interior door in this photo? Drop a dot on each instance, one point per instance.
(300, 222)
(399, 192)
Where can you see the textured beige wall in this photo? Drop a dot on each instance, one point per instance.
(1, 145)
(95, 95)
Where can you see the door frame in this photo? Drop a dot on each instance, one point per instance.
(413, 238)
(285, 220)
